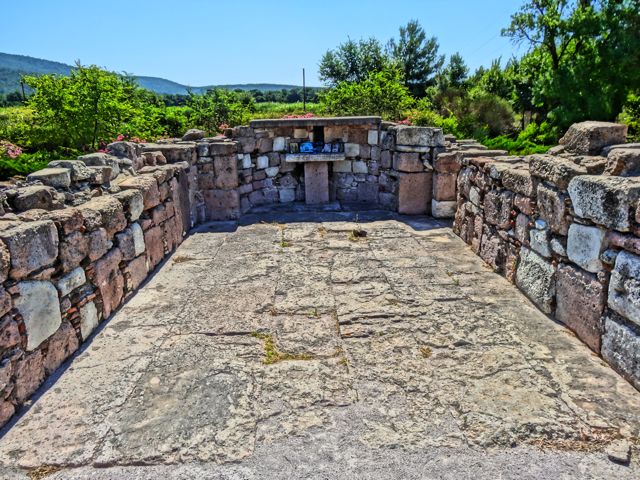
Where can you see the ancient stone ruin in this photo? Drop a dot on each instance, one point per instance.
(79, 237)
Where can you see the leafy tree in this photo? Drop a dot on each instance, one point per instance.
(417, 55)
(219, 107)
(382, 93)
(352, 61)
(455, 73)
(82, 109)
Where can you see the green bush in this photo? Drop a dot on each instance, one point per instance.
(381, 93)
(631, 116)
(27, 163)
(220, 108)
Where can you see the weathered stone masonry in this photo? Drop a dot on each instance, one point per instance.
(79, 237)
(564, 228)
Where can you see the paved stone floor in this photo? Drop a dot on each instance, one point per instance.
(291, 350)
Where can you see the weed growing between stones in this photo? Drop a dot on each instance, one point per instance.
(42, 472)
(426, 352)
(313, 313)
(356, 234)
(456, 280)
(273, 311)
(322, 231)
(182, 259)
(283, 242)
(271, 353)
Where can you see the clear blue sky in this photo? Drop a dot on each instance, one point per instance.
(199, 42)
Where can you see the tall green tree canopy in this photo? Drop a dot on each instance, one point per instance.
(417, 55)
(352, 61)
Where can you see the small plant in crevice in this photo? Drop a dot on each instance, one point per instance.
(313, 313)
(283, 241)
(357, 233)
(426, 352)
(322, 231)
(271, 353)
(456, 280)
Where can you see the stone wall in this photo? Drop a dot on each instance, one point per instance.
(564, 227)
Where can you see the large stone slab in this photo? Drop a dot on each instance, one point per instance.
(52, 177)
(624, 287)
(623, 162)
(415, 193)
(589, 138)
(605, 200)
(37, 302)
(536, 277)
(316, 182)
(556, 170)
(580, 301)
(418, 136)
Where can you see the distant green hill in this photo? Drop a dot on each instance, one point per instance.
(12, 67)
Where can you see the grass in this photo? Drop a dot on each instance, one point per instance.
(426, 352)
(283, 241)
(271, 353)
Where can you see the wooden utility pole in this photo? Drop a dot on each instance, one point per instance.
(304, 92)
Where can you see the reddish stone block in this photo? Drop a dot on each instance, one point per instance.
(316, 182)
(32, 246)
(135, 272)
(525, 204)
(155, 246)
(61, 346)
(552, 209)
(580, 301)
(9, 334)
(449, 162)
(107, 277)
(222, 204)
(73, 249)
(7, 410)
(29, 375)
(415, 193)
(444, 186)
(407, 162)
(497, 208)
(147, 185)
(522, 229)
(106, 212)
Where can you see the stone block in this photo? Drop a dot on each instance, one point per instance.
(419, 136)
(88, 319)
(99, 244)
(279, 144)
(29, 375)
(272, 171)
(222, 204)
(99, 159)
(368, 193)
(519, 181)
(589, 138)
(106, 276)
(99, 175)
(552, 208)
(77, 168)
(300, 133)
(415, 193)
(154, 246)
(35, 196)
(605, 200)
(373, 137)
(360, 167)
(246, 161)
(132, 203)
(52, 177)
(352, 150)
(287, 195)
(623, 162)
(61, 346)
(449, 162)
(624, 287)
(147, 185)
(407, 162)
(316, 182)
(385, 159)
(265, 145)
(135, 272)
(580, 301)
(443, 209)
(522, 228)
(536, 277)
(497, 208)
(262, 162)
(9, 334)
(37, 303)
(31, 245)
(342, 167)
(72, 280)
(444, 186)
(584, 246)
(539, 242)
(621, 347)
(556, 170)
(104, 211)
(226, 169)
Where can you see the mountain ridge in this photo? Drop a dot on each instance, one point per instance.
(13, 66)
